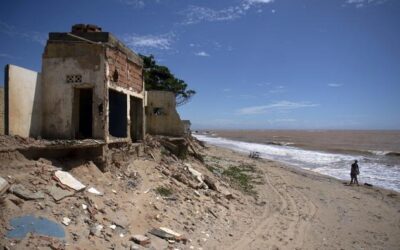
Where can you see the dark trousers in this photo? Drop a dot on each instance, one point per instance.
(353, 179)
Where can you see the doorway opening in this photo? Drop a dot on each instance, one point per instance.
(83, 115)
(136, 115)
(118, 120)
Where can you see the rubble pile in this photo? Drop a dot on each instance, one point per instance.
(168, 197)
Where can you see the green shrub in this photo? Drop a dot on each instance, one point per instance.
(164, 191)
(240, 179)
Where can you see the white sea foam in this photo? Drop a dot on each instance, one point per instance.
(377, 152)
(372, 169)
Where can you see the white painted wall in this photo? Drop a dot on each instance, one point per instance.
(24, 102)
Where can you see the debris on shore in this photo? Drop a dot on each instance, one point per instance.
(142, 201)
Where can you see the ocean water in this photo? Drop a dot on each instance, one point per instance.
(376, 167)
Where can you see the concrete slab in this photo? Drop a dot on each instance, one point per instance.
(58, 193)
(3, 185)
(26, 194)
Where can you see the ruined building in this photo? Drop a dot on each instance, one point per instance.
(89, 97)
(161, 115)
(91, 86)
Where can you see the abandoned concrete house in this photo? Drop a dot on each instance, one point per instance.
(91, 87)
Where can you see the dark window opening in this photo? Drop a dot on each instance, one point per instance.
(115, 76)
(118, 121)
(158, 111)
(83, 112)
(100, 109)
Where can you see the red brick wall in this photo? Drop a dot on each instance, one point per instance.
(129, 73)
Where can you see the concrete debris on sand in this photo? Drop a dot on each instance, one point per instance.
(96, 230)
(194, 172)
(168, 234)
(3, 185)
(66, 221)
(26, 194)
(101, 210)
(93, 190)
(58, 193)
(68, 180)
(140, 239)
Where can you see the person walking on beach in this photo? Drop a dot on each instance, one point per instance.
(354, 172)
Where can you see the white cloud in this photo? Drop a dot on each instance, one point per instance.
(227, 90)
(4, 55)
(133, 3)
(138, 3)
(283, 120)
(263, 84)
(144, 42)
(196, 14)
(202, 53)
(277, 89)
(259, 1)
(335, 85)
(364, 3)
(28, 35)
(281, 105)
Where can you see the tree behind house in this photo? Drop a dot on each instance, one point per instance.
(158, 77)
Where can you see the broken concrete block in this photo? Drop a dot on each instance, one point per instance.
(157, 243)
(68, 180)
(195, 173)
(3, 185)
(161, 233)
(96, 230)
(170, 231)
(134, 246)
(211, 183)
(140, 239)
(66, 221)
(24, 193)
(58, 193)
(92, 190)
(168, 234)
(228, 195)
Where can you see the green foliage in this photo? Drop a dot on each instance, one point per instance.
(163, 191)
(239, 178)
(158, 77)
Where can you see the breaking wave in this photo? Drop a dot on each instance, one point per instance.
(373, 168)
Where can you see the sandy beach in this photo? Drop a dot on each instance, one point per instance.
(249, 204)
(306, 210)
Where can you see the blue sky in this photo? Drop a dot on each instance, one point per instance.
(259, 64)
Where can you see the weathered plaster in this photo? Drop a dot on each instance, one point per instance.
(23, 91)
(75, 59)
(167, 122)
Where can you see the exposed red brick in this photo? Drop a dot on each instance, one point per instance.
(129, 73)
